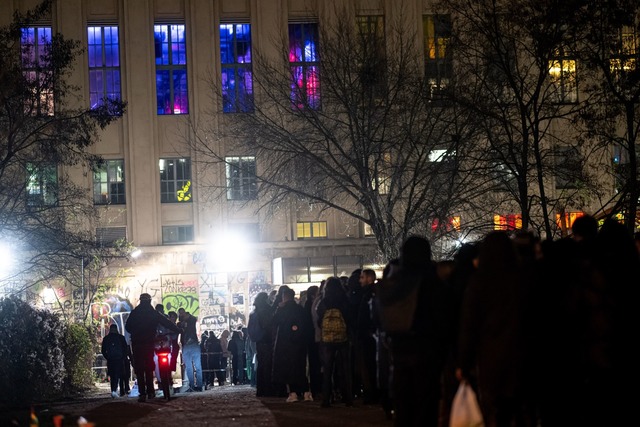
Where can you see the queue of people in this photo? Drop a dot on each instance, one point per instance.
(540, 330)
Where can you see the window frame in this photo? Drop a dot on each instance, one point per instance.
(371, 29)
(41, 187)
(35, 54)
(175, 186)
(304, 64)
(114, 175)
(438, 59)
(244, 186)
(184, 234)
(104, 72)
(236, 98)
(171, 69)
(563, 77)
(507, 222)
(308, 228)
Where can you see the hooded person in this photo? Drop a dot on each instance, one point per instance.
(115, 351)
(142, 325)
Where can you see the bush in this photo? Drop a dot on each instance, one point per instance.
(31, 342)
(78, 358)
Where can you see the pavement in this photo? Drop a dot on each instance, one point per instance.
(223, 406)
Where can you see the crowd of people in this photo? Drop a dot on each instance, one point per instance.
(541, 331)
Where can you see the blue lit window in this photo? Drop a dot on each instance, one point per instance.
(35, 45)
(171, 69)
(104, 65)
(303, 59)
(237, 77)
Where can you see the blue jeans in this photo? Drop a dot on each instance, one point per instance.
(191, 356)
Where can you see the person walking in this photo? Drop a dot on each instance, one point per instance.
(115, 351)
(142, 324)
(191, 354)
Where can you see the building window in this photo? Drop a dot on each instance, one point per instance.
(446, 224)
(237, 77)
(624, 61)
(303, 60)
(42, 185)
(104, 65)
(565, 221)
(562, 71)
(171, 69)
(241, 178)
(176, 234)
(175, 180)
(507, 222)
(108, 183)
(311, 230)
(568, 167)
(438, 59)
(367, 230)
(108, 236)
(373, 62)
(35, 45)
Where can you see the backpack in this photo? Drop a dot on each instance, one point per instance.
(333, 327)
(255, 331)
(114, 350)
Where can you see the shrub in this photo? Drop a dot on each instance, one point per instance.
(31, 342)
(78, 358)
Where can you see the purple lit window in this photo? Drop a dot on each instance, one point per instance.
(237, 77)
(104, 64)
(171, 69)
(303, 58)
(35, 45)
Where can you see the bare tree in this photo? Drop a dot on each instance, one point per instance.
(610, 53)
(44, 217)
(515, 73)
(358, 131)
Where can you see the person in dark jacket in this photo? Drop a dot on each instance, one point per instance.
(335, 356)
(115, 351)
(264, 346)
(290, 346)
(142, 325)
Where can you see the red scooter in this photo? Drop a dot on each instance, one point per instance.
(163, 352)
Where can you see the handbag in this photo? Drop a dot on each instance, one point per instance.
(465, 410)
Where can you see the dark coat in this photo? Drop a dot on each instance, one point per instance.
(143, 322)
(289, 348)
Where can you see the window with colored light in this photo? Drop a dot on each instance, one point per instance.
(565, 221)
(311, 230)
(171, 69)
(175, 180)
(103, 52)
(446, 224)
(237, 74)
(35, 48)
(303, 60)
(507, 222)
(562, 71)
(438, 59)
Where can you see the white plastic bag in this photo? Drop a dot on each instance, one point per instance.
(465, 411)
(134, 390)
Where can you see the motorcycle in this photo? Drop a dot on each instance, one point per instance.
(162, 350)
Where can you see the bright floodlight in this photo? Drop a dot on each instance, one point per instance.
(6, 259)
(136, 253)
(229, 252)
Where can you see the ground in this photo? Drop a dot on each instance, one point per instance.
(221, 406)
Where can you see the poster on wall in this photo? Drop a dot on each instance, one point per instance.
(180, 291)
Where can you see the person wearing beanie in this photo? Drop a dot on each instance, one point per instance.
(115, 350)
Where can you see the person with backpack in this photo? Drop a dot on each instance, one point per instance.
(332, 313)
(115, 350)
